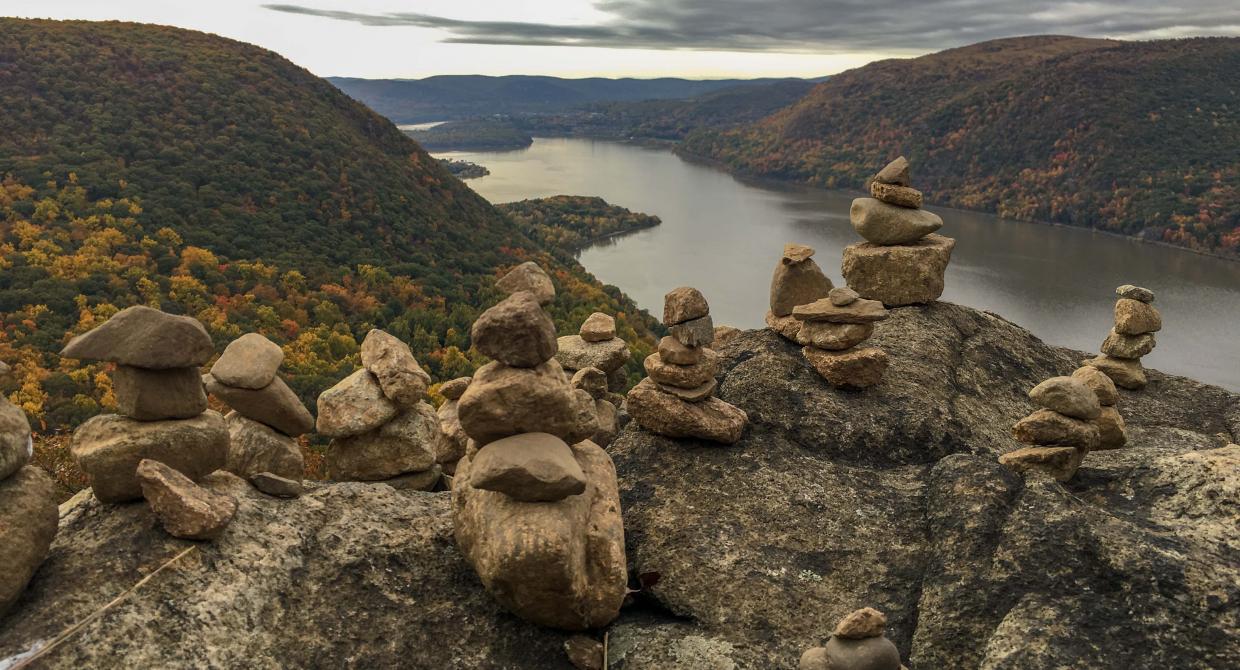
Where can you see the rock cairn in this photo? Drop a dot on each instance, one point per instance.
(902, 261)
(455, 439)
(1061, 432)
(797, 281)
(266, 415)
(1111, 431)
(606, 404)
(536, 508)
(833, 329)
(677, 398)
(1136, 321)
(857, 644)
(381, 428)
(161, 407)
(596, 346)
(28, 515)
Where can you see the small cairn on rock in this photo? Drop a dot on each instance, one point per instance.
(902, 261)
(832, 331)
(381, 428)
(1111, 430)
(455, 439)
(1059, 434)
(857, 644)
(266, 419)
(536, 507)
(797, 281)
(677, 399)
(596, 346)
(1136, 321)
(162, 408)
(28, 515)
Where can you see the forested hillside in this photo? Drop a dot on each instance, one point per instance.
(144, 164)
(574, 221)
(1138, 138)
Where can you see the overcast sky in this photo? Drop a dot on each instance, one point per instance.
(641, 38)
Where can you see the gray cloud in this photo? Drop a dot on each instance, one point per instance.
(826, 26)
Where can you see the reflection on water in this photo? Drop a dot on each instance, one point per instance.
(725, 237)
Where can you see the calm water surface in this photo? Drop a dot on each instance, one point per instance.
(725, 237)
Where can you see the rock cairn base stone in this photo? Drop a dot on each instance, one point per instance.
(406, 444)
(28, 519)
(908, 274)
(832, 330)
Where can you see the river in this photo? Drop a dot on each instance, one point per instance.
(725, 236)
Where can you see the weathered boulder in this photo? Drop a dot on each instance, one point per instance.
(863, 623)
(410, 442)
(1048, 428)
(515, 332)
(275, 404)
(528, 276)
(452, 446)
(146, 338)
(899, 275)
(391, 361)
(531, 467)
(575, 353)
(503, 401)
(872, 653)
(152, 395)
(1101, 384)
(1058, 462)
(1133, 317)
(683, 304)
(607, 420)
(275, 485)
(256, 448)
(797, 280)
(1067, 395)
(184, 509)
(355, 405)
(1111, 432)
(724, 333)
(672, 351)
(598, 327)
(842, 295)
(27, 526)
(663, 413)
(249, 362)
(857, 368)
(1135, 293)
(884, 224)
(454, 388)
(16, 446)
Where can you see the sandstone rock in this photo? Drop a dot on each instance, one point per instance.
(884, 224)
(899, 275)
(786, 326)
(896, 172)
(901, 196)
(684, 304)
(354, 406)
(598, 327)
(852, 369)
(452, 447)
(665, 414)
(1067, 395)
(695, 333)
(814, 658)
(109, 447)
(795, 253)
(503, 401)
(1118, 345)
(515, 332)
(1058, 462)
(255, 448)
(275, 405)
(858, 311)
(391, 361)
(558, 564)
(592, 381)
(585, 653)
(531, 467)
(1135, 293)
(426, 480)
(1099, 383)
(249, 362)
(695, 394)
(618, 380)
(27, 526)
(1133, 317)
(185, 509)
(453, 389)
(528, 276)
(275, 485)
(723, 334)
(834, 336)
(1111, 433)
(407, 443)
(683, 376)
(144, 338)
(1047, 428)
(841, 296)
(16, 446)
(1126, 373)
(796, 282)
(873, 653)
(863, 623)
(607, 420)
(574, 353)
(152, 395)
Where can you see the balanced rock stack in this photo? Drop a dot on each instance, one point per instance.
(536, 507)
(832, 331)
(1111, 431)
(596, 346)
(1059, 434)
(797, 281)
(1136, 321)
(266, 418)
(455, 439)
(856, 644)
(902, 261)
(381, 429)
(606, 405)
(677, 399)
(162, 409)
(28, 515)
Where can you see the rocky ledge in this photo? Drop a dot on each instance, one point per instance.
(832, 500)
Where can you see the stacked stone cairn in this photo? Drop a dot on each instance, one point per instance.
(381, 428)
(1061, 432)
(606, 403)
(162, 410)
(455, 439)
(28, 515)
(596, 346)
(536, 507)
(857, 644)
(267, 416)
(833, 330)
(677, 398)
(1111, 431)
(1136, 321)
(902, 261)
(797, 281)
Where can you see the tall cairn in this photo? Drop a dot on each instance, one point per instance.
(797, 281)
(1136, 321)
(677, 399)
(1061, 432)
(161, 405)
(28, 515)
(536, 505)
(902, 261)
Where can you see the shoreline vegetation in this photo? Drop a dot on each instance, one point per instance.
(464, 169)
(575, 222)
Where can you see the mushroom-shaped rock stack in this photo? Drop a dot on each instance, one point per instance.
(162, 408)
(1059, 434)
(535, 503)
(677, 399)
(266, 418)
(832, 331)
(856, 644)
(797, 281)
(1136, 321)
(596, 346)
(455, 439)
(381, 429)
(902, 261)
(28, 514)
